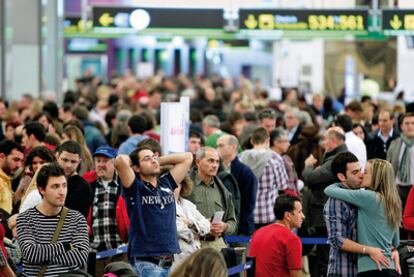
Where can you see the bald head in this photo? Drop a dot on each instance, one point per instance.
(227, 147)
(333, 138)
(229, 139)
(336, 132)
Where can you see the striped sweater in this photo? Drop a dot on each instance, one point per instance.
(35, 232)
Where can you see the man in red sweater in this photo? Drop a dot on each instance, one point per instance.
(278, 251)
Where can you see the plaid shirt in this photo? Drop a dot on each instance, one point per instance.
(340, 218)
(273, 179)
(105, 233)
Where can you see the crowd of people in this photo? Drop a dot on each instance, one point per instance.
(275, 170)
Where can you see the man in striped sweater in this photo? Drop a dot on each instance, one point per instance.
(36, 226)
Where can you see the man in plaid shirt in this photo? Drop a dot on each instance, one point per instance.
(108, 218)
(341, 221)
(279, 143)
(269, 168)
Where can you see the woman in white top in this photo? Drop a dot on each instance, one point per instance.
(191, 224)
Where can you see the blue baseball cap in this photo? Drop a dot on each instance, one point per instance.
(105, 151)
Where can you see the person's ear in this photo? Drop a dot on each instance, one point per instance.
(135, 168)
(341, 177)
(197, 162)
(286, 216)
(41, 191)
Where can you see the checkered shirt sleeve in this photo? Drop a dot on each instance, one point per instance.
(273, 179)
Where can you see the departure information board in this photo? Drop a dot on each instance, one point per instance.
(304, 20)
(125, 17)
(397, 20)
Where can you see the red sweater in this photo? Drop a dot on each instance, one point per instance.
(3, 249)
(408, 218)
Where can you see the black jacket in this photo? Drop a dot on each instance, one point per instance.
(376, 148)
(316, 181)
(247, 183)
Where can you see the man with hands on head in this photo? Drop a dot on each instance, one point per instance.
(211, 196)
(151, 208)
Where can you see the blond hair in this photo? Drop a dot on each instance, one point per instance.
(383, 182)
(186, 186)
(32, 186)
(205, 262)
(74, 133)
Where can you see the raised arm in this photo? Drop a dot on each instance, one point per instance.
(335, 218)
(360, 198)
(181, 163)
(123, 166)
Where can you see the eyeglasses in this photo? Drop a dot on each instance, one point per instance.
(150, 158)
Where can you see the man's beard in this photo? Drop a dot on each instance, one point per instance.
(6, 169)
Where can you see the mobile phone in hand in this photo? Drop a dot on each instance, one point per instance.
(218, 217)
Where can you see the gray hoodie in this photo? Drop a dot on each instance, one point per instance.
(256, 159)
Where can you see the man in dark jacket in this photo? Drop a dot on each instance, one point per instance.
(380, 140)
(78, 198)
(316, 180)
(292, 124)
(227, 146)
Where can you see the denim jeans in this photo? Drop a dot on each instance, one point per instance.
(147, 269)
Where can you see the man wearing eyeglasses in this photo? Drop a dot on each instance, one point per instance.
(292, 124)
(151, 208)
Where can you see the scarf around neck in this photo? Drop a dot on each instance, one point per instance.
(404, 168)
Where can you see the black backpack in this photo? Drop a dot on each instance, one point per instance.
(406, 251)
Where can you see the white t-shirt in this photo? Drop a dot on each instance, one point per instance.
(32, 200)
(357, 147)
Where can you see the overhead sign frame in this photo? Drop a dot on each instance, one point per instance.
(398, 21)
(194, 18)
(74, 25)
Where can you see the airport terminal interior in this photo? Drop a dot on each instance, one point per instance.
(207, 138)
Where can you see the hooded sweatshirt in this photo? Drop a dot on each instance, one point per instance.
(256, 159)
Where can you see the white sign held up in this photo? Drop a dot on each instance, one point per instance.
(173, 128)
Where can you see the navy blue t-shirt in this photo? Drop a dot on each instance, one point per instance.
(153, 229)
